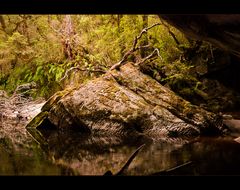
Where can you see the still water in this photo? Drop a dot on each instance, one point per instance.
(58, 153)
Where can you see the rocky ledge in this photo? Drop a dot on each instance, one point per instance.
(126, 102)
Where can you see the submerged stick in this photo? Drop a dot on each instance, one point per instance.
(126, 165)
(164, 172)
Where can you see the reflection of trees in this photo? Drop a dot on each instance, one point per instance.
(90, 154)
(94, 155)
(21, 155)
(27, 161)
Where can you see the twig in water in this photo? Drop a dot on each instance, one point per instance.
(129, 161)
(165, 172)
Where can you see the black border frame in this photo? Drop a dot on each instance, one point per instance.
(118, 6)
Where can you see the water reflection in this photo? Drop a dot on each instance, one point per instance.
(90, 154)
(218, 156)
(28, 162)
(94, 155)
(71, 153)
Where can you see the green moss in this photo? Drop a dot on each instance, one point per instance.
(39, 138)
(188, 109)
(37, 120)
(55, 98)
(124, 97)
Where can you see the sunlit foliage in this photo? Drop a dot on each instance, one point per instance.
(41, 48)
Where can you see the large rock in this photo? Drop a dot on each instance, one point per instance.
(126, 102)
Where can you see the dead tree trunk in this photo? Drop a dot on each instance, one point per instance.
(2, 21)
(143, 51)
(68, 33)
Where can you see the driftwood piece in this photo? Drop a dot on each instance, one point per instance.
(126, 165)
(169, 171)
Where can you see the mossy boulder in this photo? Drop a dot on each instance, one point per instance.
(127, 102)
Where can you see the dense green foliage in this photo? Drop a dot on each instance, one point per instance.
(41, 48)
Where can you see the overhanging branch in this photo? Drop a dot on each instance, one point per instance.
(80, 69)
(133, 48)
(150, 56)
(171, 33)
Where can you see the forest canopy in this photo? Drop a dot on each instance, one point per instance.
(42, 48)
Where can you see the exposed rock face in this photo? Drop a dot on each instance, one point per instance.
(219, 29)
(126, 102)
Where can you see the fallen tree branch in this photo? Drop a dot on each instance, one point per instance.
(150, 56)
(168, 171)
(133, 48)
(129, 161)
(142, 32)
(171, 33)
(80, 69)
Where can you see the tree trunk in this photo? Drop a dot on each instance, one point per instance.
(68, 33)
(144, 51)
(119, 21)
(2, 21)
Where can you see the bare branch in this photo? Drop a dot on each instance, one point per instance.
(170, 32)
(211, 50)
(133, 48)
(150, 56)
(67, 72)
(168, 171)
(129, 161)
(79, 69)
(145, 46)
(125, 167)
(145, 30)
(158, 53)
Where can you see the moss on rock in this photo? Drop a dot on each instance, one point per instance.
(127, 102)
(37, 120)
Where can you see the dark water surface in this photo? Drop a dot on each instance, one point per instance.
(58, 153)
